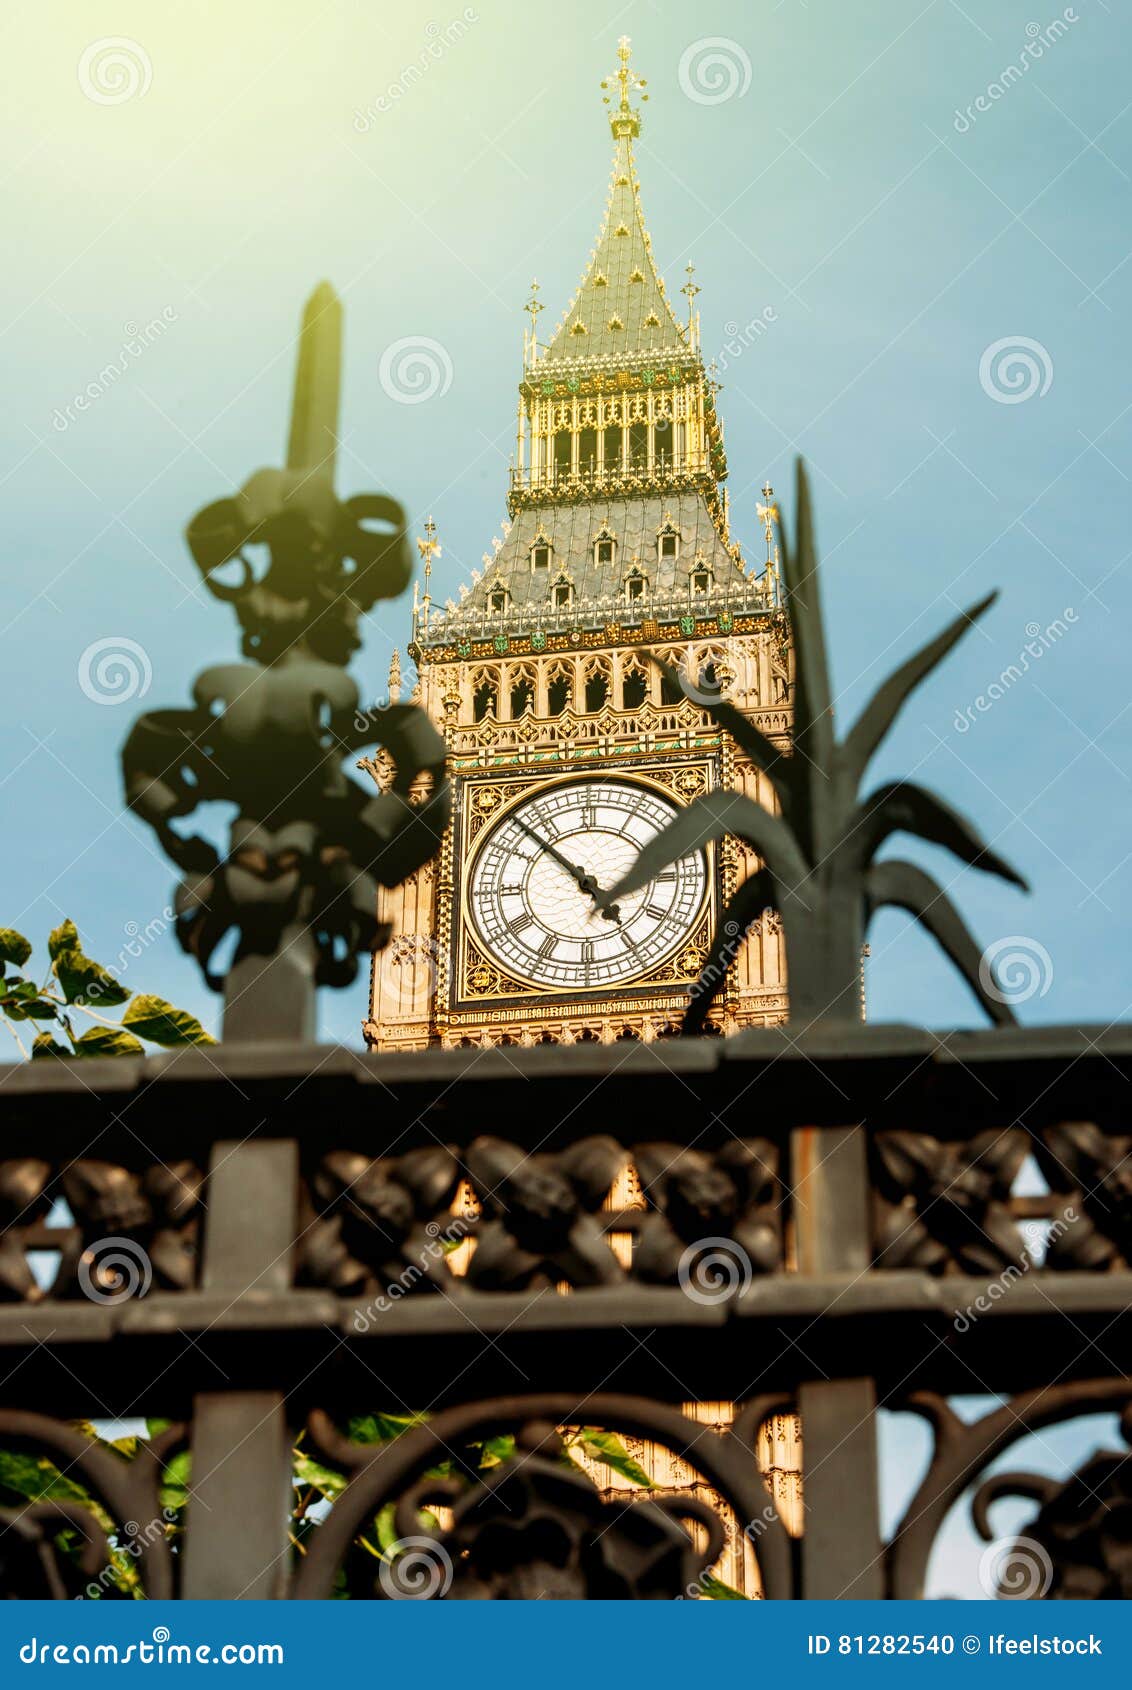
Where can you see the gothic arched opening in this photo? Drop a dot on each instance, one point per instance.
(485, 697)
(559, 692)
(634, 688)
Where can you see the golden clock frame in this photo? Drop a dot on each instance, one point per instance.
(473, 994)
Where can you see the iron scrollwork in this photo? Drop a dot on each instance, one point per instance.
(1079, 1544)
(535, 1525)
(34, 1564)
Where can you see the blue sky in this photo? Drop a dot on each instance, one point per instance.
(863, 184)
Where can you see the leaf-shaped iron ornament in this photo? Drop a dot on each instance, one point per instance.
(308, 845)
(819, 852)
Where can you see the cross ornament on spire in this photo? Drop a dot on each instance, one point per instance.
(768, 513)
(624, 120)
(429, 548)
(691, 288)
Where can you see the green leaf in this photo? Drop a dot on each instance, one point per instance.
(13, 947)
(493, 1451)
(173, 1492)
(385, 1527)
(39, 1480)
(108, 1041)
(86, 981)
(153, 1019)
(44, 1045)
(25, 1004)
(716, 1591)
(379, 1428)
(154, 1428)
(179, 1467)
(608, 1448)
(65, 937)
(322, 1479)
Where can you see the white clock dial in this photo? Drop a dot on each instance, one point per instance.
(536, 883)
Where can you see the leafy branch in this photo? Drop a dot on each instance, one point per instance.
(72, 986)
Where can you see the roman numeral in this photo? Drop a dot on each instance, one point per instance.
(665, 875)
(548, 947)
(655, 913)
(521, 923)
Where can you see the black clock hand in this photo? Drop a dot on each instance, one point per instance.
(586, 882)
(575, 873)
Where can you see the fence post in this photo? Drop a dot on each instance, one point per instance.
(841, 1545)
(237, 1543)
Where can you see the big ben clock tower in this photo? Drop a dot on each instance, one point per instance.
(568, 746)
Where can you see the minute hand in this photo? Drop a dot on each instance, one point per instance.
(586, 882)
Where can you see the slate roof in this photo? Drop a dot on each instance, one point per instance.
(623, 250)
(572, 530)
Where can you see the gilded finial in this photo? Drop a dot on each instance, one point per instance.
(691, 288)
(624, 120)
(429, 547)
(768, 512)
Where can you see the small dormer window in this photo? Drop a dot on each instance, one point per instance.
(540, 556)
(605, 550)
(601, 281)
(578, 328)
(668, 544)
(622, 230)
(497, 598)
(634, 586)
(637, 276)
(701, 580)
(652, 321)
(562, 594)
(615, 322)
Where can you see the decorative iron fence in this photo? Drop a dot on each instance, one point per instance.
(257, 1250)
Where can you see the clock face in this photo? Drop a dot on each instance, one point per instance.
(536, 885)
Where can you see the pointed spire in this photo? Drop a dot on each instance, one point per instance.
(619, 308)
(395, 677)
